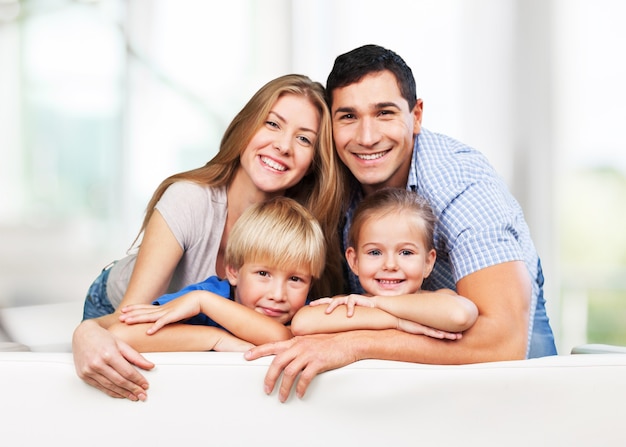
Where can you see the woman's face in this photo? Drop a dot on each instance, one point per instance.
(282, 150)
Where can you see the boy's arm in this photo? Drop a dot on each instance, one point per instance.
(244, 322)
(241, 321)
(179, 337)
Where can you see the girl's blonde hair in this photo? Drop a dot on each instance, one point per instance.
(320, 191)
(394, 200)
(279, 232)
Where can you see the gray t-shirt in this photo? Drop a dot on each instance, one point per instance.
(196, 215)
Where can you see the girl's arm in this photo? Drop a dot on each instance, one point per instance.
(442, 309)
(241, 321)
(179, 337)
(441, 314)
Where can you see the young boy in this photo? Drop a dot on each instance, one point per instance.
(275, 251)
(391, 251)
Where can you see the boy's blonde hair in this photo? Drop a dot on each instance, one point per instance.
(280, 232)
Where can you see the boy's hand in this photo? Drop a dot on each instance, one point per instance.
(183, 307)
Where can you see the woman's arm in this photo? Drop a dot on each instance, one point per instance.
(241, 321)
(100, 359)
(179, 337)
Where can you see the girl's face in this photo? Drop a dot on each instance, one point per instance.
(271, 291)
(282, 150)
(391, 257)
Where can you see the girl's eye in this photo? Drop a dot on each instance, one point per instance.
(295, 279)
(374, 253)
(406, 252)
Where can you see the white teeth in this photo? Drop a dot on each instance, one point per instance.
(389, 281)
(272, 164)
(371, 156)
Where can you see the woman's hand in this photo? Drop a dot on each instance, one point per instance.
(107, 363)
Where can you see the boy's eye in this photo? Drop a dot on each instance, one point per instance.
(263, 273)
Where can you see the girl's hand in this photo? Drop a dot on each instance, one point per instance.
(419, 329)
(350, 302)
(183, 307)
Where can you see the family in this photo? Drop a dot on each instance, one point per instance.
(330, 227)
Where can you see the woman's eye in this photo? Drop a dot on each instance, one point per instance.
(305, 141)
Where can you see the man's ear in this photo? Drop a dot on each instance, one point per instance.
(232, 274)
(352, 261)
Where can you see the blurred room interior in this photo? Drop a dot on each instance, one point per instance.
(101, 100)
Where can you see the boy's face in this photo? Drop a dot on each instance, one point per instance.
(391, 257)
(373, 129)
(270, 291)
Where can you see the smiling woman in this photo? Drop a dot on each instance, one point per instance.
(280, 143)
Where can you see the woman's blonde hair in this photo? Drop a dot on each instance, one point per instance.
(320, 191)
(279, 232)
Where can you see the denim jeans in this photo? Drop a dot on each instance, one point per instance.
(542, 338)
(97, 302)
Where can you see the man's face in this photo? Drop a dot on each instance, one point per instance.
(374, 130)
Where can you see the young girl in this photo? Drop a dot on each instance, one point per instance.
(280, 143)
(275, 252)
(391, 251)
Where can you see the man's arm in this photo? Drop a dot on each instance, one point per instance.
(501, 293)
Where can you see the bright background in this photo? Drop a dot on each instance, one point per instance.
(101, 100)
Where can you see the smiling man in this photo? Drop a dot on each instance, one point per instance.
(484, 248)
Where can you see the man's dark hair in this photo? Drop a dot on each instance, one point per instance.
(352, 66)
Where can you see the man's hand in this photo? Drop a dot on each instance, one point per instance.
(306, 356)
(106, 363)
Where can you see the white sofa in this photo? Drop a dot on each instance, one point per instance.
(217, 399)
